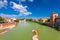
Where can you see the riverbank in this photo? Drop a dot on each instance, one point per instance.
(4, 28)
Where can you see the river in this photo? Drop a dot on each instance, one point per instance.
(24, 32)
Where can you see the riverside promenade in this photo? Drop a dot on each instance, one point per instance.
(5, 27)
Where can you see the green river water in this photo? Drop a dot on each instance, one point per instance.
(23, 32)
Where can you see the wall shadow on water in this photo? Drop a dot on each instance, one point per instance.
(48, 25)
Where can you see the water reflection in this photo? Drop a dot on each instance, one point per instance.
(23, 23)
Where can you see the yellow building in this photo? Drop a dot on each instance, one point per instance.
(44, 19)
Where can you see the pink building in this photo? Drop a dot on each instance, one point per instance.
(53, 16)
(57, 21)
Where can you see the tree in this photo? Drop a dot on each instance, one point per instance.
(17, 20)
(48, 20)
(1, 19)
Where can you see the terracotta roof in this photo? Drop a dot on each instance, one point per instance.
(7, 24)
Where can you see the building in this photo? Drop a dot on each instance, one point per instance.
(44, 20)
(36, 19)
(53, 16)
(57, 21)
(7, 20)
(13, 19)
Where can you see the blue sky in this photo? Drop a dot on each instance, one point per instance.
(29, 8)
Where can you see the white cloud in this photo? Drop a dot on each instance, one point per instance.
(25, 0)
(17, 7)
(31, 0)
(21, 0)
(21, 9)
(7, 15)
(3, 3)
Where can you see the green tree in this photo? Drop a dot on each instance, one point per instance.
(1, 19)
